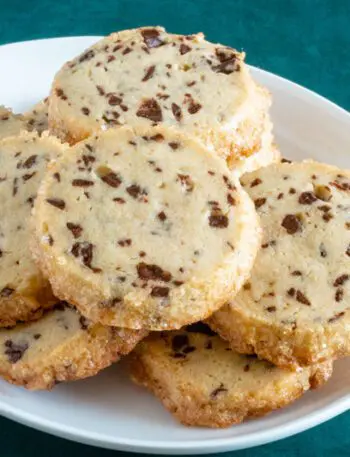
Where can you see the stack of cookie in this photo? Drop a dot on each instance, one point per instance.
(132, 215)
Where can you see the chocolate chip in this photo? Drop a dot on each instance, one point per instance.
(151, 37)
(135, 191)
(296, 273)
(6, 292)
(60, 94)
(30, 162)
(186, 182)
(292, 224)
(82, 183)
(217, 391)
(121, 201)
(194, 107)
(57, 202)
(100, 90)
(15, 351)
(151, 272)
(28, 176)
(85, 110)
(256, 182)
(230, 200)
(306, 198)
(150, 109)
(228, 61)
(339, 294)
(127, 50)
(85, 251)
(341, 280)
(57, 176)
(86, 56)
(271, 309)
(217, 219)
(259, 202)
(301, 298)
(291, 292)
(160, 291)
(162, 216)
(280, 196)
(125, 242)
(176, 110)
(336, 317)
(149, 73)
(76, 229)
(179, 342)
(113, 100)
(174, 145)
(112, 179)
(84, 323)
(37, 336)
(323, 251)
(184, 49)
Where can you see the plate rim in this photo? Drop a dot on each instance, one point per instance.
(314, 418)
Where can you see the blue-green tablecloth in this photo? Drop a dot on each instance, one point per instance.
(307, 41)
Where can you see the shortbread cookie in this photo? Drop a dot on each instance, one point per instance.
(295, 308)
(10, 124)
(37, 118)
(148, 76)
(23, 161)
(203, 382)
(144, 229)
(61, 346)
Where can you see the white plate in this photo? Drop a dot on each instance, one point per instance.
(108, 410)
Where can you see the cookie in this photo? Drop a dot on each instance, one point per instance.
(23, 161)
(10, 124)
(200, 380)
(147, 76)
(61, 346)
(144, 229)
(294, 310)
(37, 117)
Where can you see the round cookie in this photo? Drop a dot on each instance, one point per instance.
(23, 161)
(144, 229)
(294, 310)
(200, 380)
(10, 124)
(61, 346)
(147, 76)
(37, 117)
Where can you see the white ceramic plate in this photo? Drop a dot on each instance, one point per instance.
(108, 410)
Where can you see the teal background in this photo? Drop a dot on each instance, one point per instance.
(307, 41)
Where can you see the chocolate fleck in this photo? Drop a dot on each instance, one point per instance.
(151, 37)
(151, 272)
(29, 162)
(82, 183)
(336, 317)
(217, 219)
(15, 351)
(256, 182)
(301, 298)
(135, 191)
(6, 292)
(176, 111)
(150, 109)
(339, 294)
(125, 242)
(184, 49)
(217, 391)
(186, 182)
(149, 73)
(57, 202)
(112, 179)
(306, 198)
(85, 110)
(292, 224)
(162, 216)
(341, 280)
(160, 291)
(174, 145)
(259, 202)
(76, 229)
